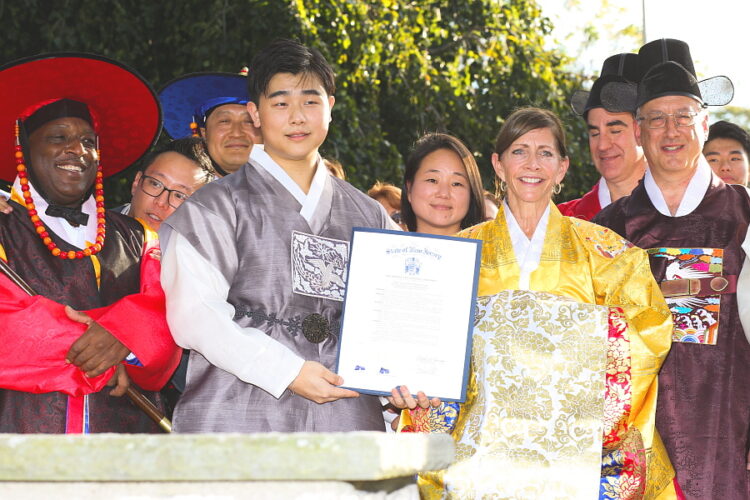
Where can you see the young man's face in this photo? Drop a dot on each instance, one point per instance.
(293, 117)
(230, 135)
(151, 202)
(728, 160)
(614, 151)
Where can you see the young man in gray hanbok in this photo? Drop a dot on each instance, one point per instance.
(254, 269)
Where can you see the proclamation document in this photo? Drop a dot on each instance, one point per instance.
(409, 313)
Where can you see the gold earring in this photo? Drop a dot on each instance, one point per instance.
(557, 188)
(503, 186)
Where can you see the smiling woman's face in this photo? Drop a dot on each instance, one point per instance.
(531, 166)
(440, 193)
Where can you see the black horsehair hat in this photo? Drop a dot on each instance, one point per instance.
(618, 68)
(665, 68)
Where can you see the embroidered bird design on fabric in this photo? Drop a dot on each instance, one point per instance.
(327, 273)
(682, 270)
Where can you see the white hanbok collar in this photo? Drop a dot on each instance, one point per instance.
(80, 236)
(309, 202)
(528, 251)
(605, 197)
(693, 196)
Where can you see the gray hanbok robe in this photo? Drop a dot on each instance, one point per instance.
(286, 275)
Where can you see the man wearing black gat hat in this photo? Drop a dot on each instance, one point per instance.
(615, 154)
(693, 225)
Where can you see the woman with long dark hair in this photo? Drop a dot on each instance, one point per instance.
(442, 191)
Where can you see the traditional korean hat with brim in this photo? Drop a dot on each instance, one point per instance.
(618, 68)
(122, 107)
(188, 100)
(665, 68)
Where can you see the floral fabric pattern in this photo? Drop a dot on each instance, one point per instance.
(537, 422)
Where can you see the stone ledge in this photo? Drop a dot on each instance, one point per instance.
(230, 490)
(355, 456)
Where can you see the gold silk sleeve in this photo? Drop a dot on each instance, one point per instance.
(499, 268)
(621, 277)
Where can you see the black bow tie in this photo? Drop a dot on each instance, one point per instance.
(73, 215)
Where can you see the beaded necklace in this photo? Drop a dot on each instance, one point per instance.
(23, 179)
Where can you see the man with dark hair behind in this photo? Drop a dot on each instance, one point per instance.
(727, 150)
(616, 155)
(168, 177)
(254, 268)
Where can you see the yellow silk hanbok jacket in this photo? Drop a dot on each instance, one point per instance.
(586, 264)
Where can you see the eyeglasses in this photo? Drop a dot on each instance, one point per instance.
(543, 156)
(657, 119)
(396, 217)
(154, 187)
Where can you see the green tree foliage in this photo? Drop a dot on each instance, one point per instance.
(734, 114)
(404, 67)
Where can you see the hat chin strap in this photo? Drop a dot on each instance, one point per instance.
(218, 168)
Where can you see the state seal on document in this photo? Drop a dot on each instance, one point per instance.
(412, 266)
(319, 266)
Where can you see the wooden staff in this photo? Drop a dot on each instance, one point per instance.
(134, 394)
(149, 408)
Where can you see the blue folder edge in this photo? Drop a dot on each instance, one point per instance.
(472, 302)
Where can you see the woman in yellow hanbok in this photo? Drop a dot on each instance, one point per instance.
(569, 335)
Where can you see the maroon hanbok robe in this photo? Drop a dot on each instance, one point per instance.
(703, 409)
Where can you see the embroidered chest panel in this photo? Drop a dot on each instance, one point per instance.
(695, 316)
(319, 266)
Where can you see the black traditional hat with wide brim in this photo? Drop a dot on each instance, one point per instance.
(122, 104)
(183, 98)
(618, 68)
(665, 68)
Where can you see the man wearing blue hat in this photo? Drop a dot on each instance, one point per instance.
(214, 106)
(693, 226)
(615, 154)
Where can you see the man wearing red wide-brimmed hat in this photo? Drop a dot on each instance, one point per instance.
(98, 316)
